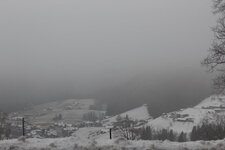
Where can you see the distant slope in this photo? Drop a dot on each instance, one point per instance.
(139, 113)
(215, 102)
(72, 110)
(185, 119)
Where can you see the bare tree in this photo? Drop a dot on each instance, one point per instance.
(216, 57)
(219, 6)
(125, 125)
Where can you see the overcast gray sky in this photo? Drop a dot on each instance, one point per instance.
(91, 44)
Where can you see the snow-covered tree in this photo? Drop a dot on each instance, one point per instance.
(125, 125)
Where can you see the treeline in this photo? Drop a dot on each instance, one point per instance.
(93, 116)
(208, 132)
(128, 130)
(147, 133)
(204, 132)
(57, 117)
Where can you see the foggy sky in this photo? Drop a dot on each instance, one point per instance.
(72, 48)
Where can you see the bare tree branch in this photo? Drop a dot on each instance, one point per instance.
(215, 61)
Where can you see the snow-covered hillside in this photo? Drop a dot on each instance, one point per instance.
(75, 143)
(73, 110)
(215, 102)
(182, 120)
(185, 119)
(139, 113)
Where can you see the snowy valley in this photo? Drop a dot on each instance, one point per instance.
(43, 130)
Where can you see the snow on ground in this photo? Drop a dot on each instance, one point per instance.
(212, 102)
(182, 120)
(92, 133)
(98, 137)
(185, 119)
(74, 143)
(139, 113)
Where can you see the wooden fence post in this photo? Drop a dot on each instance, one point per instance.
(110, 133)
(23, 127)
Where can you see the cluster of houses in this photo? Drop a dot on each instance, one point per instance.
(57, 129)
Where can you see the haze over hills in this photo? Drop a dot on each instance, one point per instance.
(71, 111)
(112, 75)
(163, 92)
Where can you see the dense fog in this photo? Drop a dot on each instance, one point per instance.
(123, 53)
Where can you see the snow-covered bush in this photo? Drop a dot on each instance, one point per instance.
(52, 145)
(22, 138)
(120, 140)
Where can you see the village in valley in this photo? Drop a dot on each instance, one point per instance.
(77, 118)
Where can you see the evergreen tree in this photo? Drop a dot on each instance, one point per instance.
(208, 132)
(171, 136)
(193, 135)
(182, 137)
(146, 133)
(149, 133)
(164, 135)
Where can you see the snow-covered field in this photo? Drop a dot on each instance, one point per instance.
(185, 119)
(75, 143)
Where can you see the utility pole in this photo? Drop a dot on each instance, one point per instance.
(23, 127)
